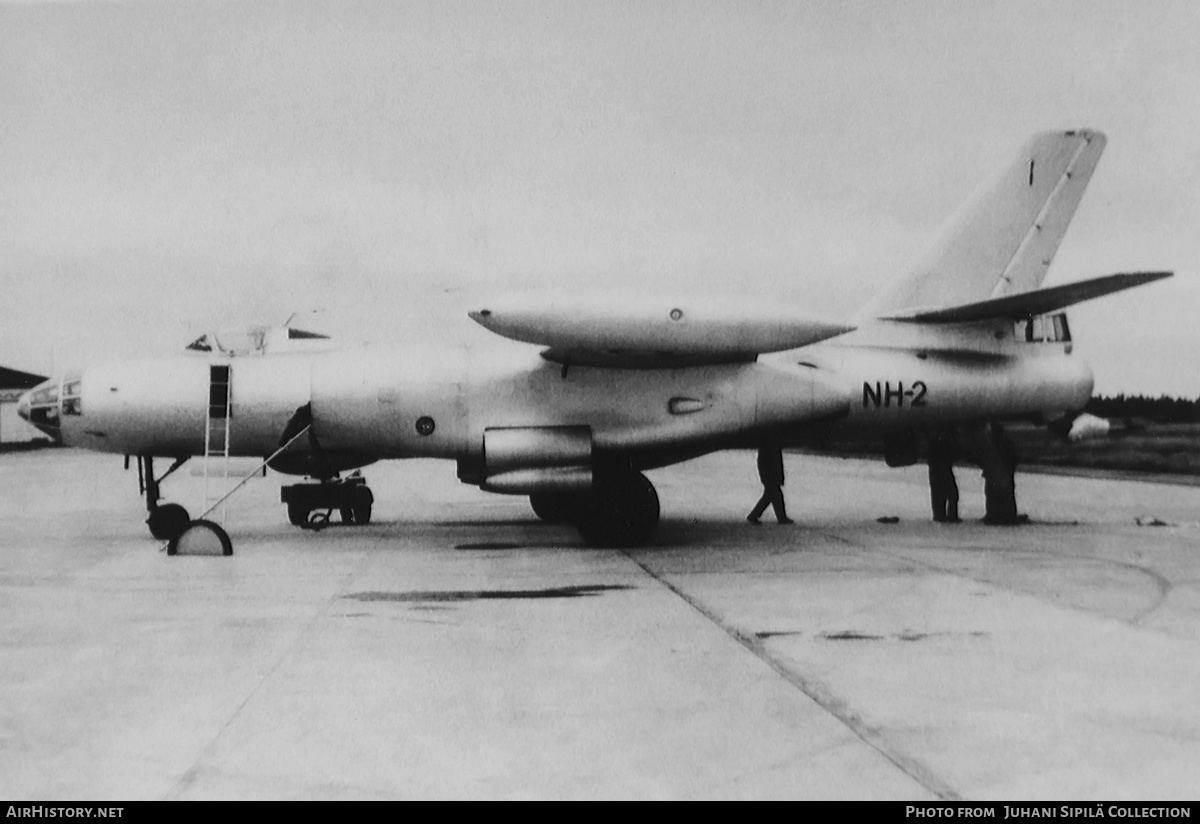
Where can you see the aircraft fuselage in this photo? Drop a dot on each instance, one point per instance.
(370, 404)
(434, 403)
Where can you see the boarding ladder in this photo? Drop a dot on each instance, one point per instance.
(216, 435)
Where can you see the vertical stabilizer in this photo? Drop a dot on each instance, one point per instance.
(1002, 240)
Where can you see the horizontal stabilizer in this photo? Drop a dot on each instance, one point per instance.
(1035, 302)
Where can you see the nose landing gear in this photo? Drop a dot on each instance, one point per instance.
(201, 537)
(166, 521)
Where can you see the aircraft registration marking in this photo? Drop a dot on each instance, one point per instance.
(881, 393)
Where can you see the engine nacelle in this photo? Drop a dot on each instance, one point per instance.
(525, 460)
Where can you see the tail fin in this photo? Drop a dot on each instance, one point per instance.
(1001, 241)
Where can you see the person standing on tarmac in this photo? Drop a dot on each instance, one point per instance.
(770, 472)
(996, 455)
(1000, 484)
(943, 489)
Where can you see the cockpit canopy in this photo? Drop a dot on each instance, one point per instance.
(258, 340)
(46, 404)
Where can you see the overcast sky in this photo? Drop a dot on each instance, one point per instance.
(169, 167)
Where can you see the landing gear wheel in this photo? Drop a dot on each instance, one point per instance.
(297, 514)
(361, 507)
(201, 538)
(622, 511)
(349, 498)
(558, 507)
(318, 519)
(166, 522)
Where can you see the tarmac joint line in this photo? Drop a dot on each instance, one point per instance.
(817, 692)
(192, 774)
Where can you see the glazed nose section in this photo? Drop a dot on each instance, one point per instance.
(39, 406)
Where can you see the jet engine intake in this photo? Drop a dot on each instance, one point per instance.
(527, 460)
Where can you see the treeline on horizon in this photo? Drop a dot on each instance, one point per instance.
(1163, 409)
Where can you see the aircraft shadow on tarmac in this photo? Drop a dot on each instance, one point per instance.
(424, 596)
(671, 534)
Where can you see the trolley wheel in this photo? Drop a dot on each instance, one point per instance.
(318, 519)
(201, 538)
(297, 514)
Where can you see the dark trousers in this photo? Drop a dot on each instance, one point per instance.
(943, 491)
(772, 495)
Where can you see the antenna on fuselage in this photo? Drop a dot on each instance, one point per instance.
(297, 313)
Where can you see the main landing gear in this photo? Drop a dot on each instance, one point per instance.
(558, 507)
(309, 505)
(621, 510)
(166, 521)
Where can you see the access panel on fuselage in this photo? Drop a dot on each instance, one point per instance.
(391, 403)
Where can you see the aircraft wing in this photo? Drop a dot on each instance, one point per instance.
(1035, 302)
(653, 334)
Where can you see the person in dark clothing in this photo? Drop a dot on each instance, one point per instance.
(770, 472)
(943, 489)
(1000, 487)
(996, 455)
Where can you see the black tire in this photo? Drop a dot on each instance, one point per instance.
(362, 513)
(622, 511)
(558, 507)
(167, 521)
(361, 504)
(297, 514)
(204, 532)
(347, 514)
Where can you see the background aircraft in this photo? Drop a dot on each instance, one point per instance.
(965, 337)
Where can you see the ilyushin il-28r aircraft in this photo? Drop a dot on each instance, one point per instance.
(610, 389)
